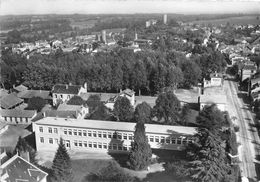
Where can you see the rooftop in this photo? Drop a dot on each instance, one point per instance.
(18, 169)
(9, 101)
(112, 125)
(27, 94)
(60, 114)
(66, 89)
(21, 88)
(3, 93)
(103, 96)
(128, 92)
(66, 107)
(17, 113)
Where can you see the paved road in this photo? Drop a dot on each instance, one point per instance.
(247, 135)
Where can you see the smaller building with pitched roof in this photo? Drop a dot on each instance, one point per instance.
(18, 169)
(65, 92)
(18, 116)
(10, 101)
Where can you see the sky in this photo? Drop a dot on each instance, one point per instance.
(17, 7)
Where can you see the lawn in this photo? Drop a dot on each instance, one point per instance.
(81, 168)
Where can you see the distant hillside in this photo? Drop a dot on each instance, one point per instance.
(241, 20)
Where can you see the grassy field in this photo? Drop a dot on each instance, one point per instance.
(81, 168)
(242, 20)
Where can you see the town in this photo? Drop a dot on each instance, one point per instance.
(142, 97)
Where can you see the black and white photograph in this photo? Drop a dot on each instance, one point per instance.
(130, 91)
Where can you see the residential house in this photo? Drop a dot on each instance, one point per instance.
(247, 70)
(64, 92)
(105, 136)
(129, 94)
(28, 94)
(18, 116)
(20, 88)
(80, 110)
(10, 101)
(17, 169)
(216, 80)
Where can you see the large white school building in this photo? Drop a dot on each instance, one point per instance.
(105, 136)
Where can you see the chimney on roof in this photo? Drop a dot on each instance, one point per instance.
(86, 86)
(44, 114)
(67, 86)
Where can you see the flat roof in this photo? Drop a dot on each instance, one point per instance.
(113, 125)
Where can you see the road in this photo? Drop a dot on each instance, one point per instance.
(247, 135)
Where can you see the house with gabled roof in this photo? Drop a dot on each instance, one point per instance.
(10, 101)
(28, 94)
(19, 88)
(64, 92)
(17, 169)
(18, 116)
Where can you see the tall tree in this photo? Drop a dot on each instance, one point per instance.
(211, 118)
(123, 109)
(22, 147)
(36, 103)
(208, 158)
(93, 102)
(76, 100)
(143, 113)
(140, 153)
(61, 166)
(167, 108)
(174, 77)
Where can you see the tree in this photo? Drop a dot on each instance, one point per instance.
(174, 77)
(22, 147)
(61, 166)
(123, 109)
(208, 158)
(93, 102)
(143, 113)
(76, 100)
(211, 118)
(167, 107)
(191, 73)
(36, 103)
(140, 153)
(112, 172)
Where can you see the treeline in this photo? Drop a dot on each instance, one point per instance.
(148, 71)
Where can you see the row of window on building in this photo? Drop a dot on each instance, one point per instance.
(60, 96)
(16, 119)
(90, 144)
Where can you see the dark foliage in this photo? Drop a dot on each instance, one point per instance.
(36, 103)
(76, 100)
(123, 109)
(167, 108)
(61, 166)
(140, 153)
(110, 173)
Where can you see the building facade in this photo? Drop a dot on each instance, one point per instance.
(64, 92)
(106, 136)
(17, 116)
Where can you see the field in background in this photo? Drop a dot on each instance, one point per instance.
(241, 20)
